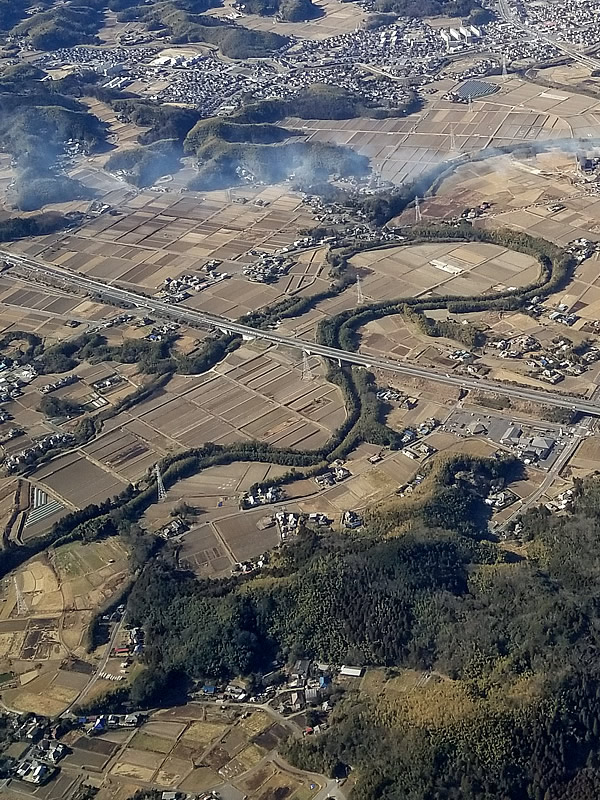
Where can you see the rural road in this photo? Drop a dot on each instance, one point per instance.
(565, 456)
(192, 317)
(101, 667)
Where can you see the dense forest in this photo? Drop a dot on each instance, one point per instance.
(63, 25)
(229, 153)
(79, 21)
(286, 10)
(428, 8)
(513, 709)
(143, 165)
(185, 26)
(321, 101)
(35, 122)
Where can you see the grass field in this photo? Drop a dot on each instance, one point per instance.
(201, 734)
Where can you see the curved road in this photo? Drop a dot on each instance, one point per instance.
(192, 317)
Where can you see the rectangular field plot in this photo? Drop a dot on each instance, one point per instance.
(79, 480)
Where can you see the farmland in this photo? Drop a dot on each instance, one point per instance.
(166, 236)
(194, 748)
(42, 646)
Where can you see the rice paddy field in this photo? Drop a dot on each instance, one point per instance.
(41, 643)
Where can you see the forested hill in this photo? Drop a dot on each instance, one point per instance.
(512, 642)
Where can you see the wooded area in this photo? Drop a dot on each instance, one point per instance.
(514, 637)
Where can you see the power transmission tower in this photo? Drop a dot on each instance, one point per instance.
(360, 298)
(162, 492)
(306, 370)
(504, 70)
(453, 147)
(21, 604)
(418, 215)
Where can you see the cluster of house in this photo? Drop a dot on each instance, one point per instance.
(287, 523)
(500, 499)
(351, 520)
(174, 290)
(119, 319)
(173, 528)
(261, 497)
(476, 211)
(34, 771)
(462, 356)
(576, 21)
(38, 763)
(307, 686)
(136, 641)
(106, 384)
(562, 501)
(268, 268)
(408, 488)
(106, 722)
(558, 359)
(419, 451)
(582, 248)
(563, 316)
(246, 567)
(335, 474)
(67, 380)
(29, 456)
(390, 395)
(13, 379)
(529, 448)
(515, 348)
(160, 332)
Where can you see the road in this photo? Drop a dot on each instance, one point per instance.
(565, 456)
(568, 50)
(192, 317)
(101, 667)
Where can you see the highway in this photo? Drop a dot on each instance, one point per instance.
(180, 313)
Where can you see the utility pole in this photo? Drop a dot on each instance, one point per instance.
(162, 492)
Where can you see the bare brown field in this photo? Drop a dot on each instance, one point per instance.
(61, 592)
(412, 271)
(337, 18)
(421, 141)
(44, 310)
(162, 236)
(78, 480)
(252, 394)
(441, 268)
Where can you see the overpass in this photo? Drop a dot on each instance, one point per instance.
(179, 313)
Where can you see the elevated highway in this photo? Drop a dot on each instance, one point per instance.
(179, 313)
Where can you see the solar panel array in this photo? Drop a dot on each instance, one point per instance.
(475, 89)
